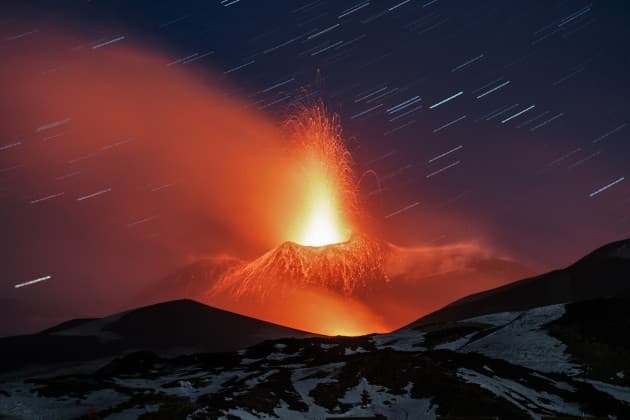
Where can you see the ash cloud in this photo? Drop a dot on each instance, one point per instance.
(157, 166)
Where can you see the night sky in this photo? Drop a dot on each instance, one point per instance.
(505, 123)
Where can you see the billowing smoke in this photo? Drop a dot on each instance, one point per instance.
(119, 166)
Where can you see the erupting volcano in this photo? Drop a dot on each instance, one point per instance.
(325, 259)
(223, 180)
(329, 276)
(324, 250)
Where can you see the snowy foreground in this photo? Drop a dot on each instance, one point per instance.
(511, 365)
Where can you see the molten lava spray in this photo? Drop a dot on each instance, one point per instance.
(327, 177)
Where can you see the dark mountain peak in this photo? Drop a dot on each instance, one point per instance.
(168, 328)
(614, 250)
(604, 272)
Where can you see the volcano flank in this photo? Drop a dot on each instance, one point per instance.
(356, 287)
(348, 268)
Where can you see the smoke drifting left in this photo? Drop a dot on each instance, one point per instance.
(124, 167)
(183, 169)
(164, 124)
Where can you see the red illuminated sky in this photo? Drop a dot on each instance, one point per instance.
(138, 139)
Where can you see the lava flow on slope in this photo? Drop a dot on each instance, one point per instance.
(319, 289)
(347, 268)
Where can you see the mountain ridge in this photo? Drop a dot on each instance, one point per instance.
(610, 264)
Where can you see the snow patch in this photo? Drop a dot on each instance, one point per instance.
(621, 393)
(402, 340)
(327, 346)
(497, 320)
(369, 400)
(349, 351)
(25, 404)
(455, 344)
(533, 402)
(524, 342)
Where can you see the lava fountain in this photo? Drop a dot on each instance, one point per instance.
(326, 177)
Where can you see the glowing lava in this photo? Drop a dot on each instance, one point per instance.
(326, 178)
(323, 224)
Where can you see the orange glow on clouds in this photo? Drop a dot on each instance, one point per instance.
(223, 178)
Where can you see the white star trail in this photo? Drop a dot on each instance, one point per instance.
(353, 9)
(53, 125)
(139, 222)
(608, 134)
(161, 187)
(605, 187)
(400, 127)
(10, 146)
(370, 94)
(404, 114)
(409, 207)
(96, 194)
(446, 153)
(323, 31)
(398, 5)
(232, 70)
(366, 111)
(69, 175)
(531, 120)
(443, 101)
(28, 283)
(181, 60)
(586, 159)
(22, 35)
(501, 112)
(494, 89)
(443, 169)
(455, 121)
(48, 197)
(277, 85)
(518, 114)
(403, 105)
(106, 43)
(467, 63)
(544, 123)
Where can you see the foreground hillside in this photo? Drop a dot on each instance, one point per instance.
(168, 328)
(553, 345)
(604, 272)
(553, 360)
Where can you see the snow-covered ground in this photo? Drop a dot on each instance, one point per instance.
(26, 404)
(618, 392)
(529, 400)
(521, 339)
(313, 371)
(405, 339)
